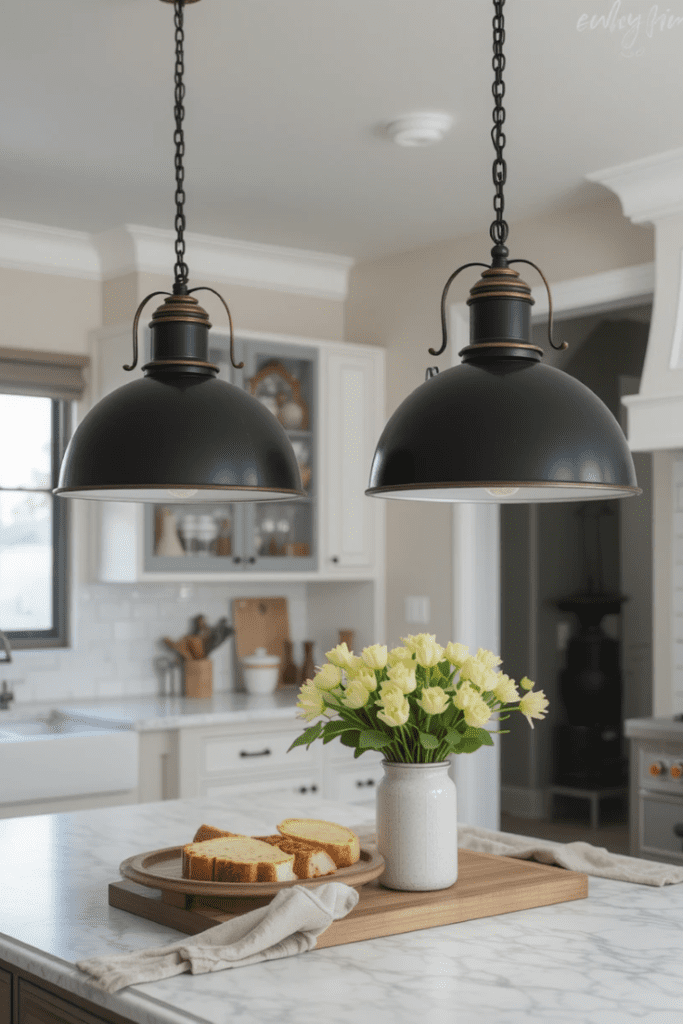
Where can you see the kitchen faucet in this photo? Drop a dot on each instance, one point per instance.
(5, 695)
(6, 648)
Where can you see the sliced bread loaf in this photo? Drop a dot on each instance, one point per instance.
(237, 859)
(309, 861)
(338, 841)
(209, 832)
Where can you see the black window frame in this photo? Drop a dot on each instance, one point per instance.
(58, 634)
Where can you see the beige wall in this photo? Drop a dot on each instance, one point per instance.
(253, 309)
(47, 311)
(394, 302)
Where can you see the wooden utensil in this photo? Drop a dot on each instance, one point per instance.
(180, 647)
(196, 646)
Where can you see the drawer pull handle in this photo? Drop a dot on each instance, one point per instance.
(678, 830)
(368, 782)
(255, 753)
(306, 789)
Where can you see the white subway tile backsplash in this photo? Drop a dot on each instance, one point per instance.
(108, 610)
(117, 633)
(99, 631)
(130, 630)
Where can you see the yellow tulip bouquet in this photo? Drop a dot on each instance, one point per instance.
(417, 703)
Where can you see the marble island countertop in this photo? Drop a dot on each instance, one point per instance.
(149, 714)
(608, 959)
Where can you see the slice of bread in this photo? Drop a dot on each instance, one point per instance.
(209, 832)
(237, 859)
(309, 861)
(338, 841)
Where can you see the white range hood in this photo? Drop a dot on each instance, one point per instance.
(651, 192)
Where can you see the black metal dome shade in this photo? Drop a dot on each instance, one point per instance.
(180, 434)
(511, 431)
(501, 426)
(156, 438)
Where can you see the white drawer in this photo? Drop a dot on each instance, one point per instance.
(249, 752)
(357, 786)
(343, 756)
(303, 784)
(659, 816)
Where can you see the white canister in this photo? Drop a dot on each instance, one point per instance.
(417, 826)
(261, 671)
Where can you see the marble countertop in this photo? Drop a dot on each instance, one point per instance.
(608, 959)
(147, 714)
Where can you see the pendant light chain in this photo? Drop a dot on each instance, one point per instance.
(499, 228)
(181, 271)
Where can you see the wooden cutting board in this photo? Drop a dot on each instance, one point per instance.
(487, 885)
(261, 622)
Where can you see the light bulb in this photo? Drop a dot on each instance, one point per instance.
(183, 492)
(501, 492)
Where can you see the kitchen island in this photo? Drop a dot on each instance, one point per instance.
(608, 959)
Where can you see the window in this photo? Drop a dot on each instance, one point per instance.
(33, 522)
(37, 390)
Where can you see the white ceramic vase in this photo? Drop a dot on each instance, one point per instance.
(417, 826)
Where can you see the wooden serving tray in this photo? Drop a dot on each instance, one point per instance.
(487, 885)
(162, 869)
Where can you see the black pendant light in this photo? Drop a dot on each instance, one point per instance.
(501, 426)
(179, 433)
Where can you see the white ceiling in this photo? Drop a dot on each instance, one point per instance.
(284, 102)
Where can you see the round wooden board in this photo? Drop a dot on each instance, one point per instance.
(162, 869)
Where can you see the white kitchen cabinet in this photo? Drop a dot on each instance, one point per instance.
(229, 759)
(353, 385)
(250, 757)
(344, 529)
(353, 780)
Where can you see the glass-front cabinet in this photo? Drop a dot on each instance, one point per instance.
(329, 396)
(251, 536)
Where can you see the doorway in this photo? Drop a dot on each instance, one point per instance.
(550, 553)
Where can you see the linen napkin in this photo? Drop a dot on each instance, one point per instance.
(289, 924)
(591, 860)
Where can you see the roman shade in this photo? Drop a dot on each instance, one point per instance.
(52, 374)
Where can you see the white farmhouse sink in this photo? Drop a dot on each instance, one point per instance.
(53, 755)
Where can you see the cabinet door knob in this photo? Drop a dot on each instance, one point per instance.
(678, 830)
(237, 559)
(334, 558)
(251, 560)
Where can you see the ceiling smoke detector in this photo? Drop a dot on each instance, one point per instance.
(419, 129)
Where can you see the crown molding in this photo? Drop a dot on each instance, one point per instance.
(45, 250)
(596, 293)
(648, 189)
(134, 248)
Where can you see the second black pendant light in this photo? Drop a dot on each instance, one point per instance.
(501, 426)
